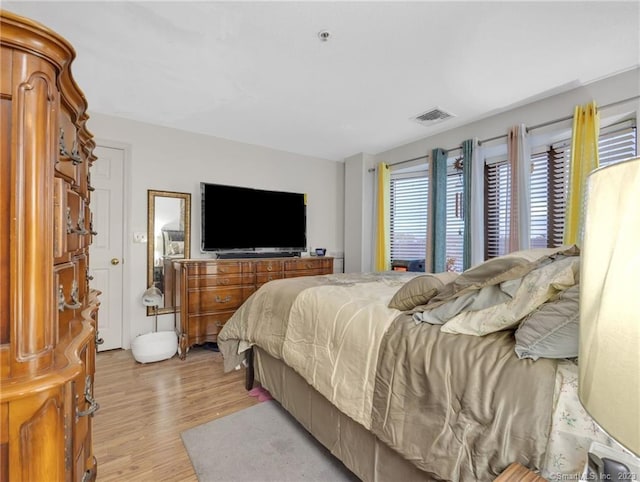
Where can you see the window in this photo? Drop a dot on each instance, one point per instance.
(409, 215)
(549, 188)
(497, 200)
(556, 192)
(454, 247)
(549, 180)
(539, 199)
(615, 144)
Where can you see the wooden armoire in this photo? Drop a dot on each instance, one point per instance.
(48, 311)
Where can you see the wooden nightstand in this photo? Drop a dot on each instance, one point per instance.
(519, 473)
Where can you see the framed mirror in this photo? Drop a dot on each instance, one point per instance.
(168, 239)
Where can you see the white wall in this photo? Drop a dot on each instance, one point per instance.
(358, 218)
(172, 160)
(606, 91)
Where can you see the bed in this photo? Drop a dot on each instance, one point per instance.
(415, 376)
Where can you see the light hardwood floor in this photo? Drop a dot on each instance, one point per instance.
(145, 407)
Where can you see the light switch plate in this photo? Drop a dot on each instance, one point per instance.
(139, 237)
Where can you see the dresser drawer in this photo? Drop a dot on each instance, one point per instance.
(206, 327)
(307, 264)
(268, 266)
(205, 300)
(202, 269)
(304, 272)
(221, 280)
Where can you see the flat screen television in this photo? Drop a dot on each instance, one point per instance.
(240, 220)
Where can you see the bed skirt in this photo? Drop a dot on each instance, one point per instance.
(359, 450)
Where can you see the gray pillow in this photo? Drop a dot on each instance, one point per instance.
(552, 330)
(419, 290)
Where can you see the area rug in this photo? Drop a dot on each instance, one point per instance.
(260, 443)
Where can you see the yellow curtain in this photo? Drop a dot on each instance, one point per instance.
(584, 159)
(382, 256)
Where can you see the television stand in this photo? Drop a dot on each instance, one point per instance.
(258, 254)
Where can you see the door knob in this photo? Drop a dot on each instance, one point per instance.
(115, 261)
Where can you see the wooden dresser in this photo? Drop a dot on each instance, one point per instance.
(48, 312)
(208, 291)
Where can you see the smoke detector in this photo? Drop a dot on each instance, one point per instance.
(432, 116)
(324, 35)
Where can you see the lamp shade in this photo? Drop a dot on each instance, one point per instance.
(152, 297)
(609, 348)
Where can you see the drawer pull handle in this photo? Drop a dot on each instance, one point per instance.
(62, 302)
(223, 282)
(226, 299)
(309, 266)
(88, 396)
(62, 149)
(269, 268)
(81, 228)
(70, 229)
(91, 231)
(75, 293)
(93, 408)
(75, 155)
(219, 324)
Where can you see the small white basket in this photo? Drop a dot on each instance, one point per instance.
(153, 347)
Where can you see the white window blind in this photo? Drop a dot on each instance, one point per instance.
(454, 247)
(409, 216)
(616, 145)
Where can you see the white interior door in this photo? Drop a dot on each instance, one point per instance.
(107, 248)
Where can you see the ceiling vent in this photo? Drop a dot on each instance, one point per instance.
(432, 116)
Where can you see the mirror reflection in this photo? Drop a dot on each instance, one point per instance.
(168, 238)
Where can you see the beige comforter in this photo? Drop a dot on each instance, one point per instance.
(459, 407)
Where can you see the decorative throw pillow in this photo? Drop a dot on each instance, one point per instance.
(419, 290)
(552, 330)
(537, 287)
(496, 270)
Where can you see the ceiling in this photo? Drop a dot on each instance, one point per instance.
(257, 72)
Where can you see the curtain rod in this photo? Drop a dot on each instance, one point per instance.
(537, 126)
(562, 119)
(426, 156)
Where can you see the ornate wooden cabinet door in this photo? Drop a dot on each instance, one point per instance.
(48, 312)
